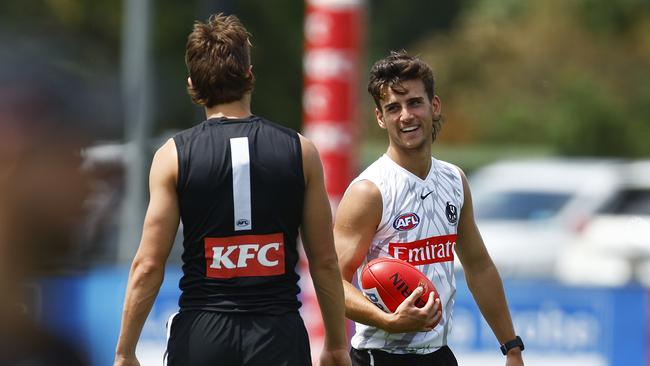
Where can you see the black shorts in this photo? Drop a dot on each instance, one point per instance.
(366, 357)
(207, 338)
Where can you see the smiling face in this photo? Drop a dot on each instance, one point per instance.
(407, 114)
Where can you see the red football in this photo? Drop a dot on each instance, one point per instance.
(388, 281)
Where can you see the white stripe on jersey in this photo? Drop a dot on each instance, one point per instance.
(435, 203)
(241, 183)
(169, 334)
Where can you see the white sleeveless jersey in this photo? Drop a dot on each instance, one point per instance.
(418, 224)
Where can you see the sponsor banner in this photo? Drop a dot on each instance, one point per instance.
(560, 325)
(245, 255)
(426, 251)
(568, 325)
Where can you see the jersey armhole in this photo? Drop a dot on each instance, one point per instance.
(296, 140)
(383, 219)
(456, 171)
(461, 193)
(180, 180)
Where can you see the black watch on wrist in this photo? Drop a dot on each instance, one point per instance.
(517, 342)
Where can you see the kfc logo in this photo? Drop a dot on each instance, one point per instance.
(245, 256)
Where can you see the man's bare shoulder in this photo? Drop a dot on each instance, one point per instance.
(363, 189)
(362, 199)
(311, 164)
(165, 161)
(168, 148)
(308, 148)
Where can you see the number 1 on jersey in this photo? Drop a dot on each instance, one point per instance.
(241, 183)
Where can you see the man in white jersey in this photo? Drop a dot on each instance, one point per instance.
(409, 205)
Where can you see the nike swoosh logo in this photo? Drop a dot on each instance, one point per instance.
(426, 195)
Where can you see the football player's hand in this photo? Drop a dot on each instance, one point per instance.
(335, 357)
(126, 361)
(409, 318)
(514, 358)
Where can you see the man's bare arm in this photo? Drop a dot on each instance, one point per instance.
(483, 278)
(318, 242)
(147, 270)
(357, 218)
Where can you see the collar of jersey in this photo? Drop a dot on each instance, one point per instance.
(411, 175)
(231, 120)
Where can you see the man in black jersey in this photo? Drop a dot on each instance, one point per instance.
(243, 187)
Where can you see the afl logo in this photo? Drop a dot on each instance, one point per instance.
(242, 222)
(406, 222)
(452, 213)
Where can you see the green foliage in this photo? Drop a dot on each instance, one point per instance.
(572, 75)
(583, 119)
(393, 26)
(613, 17)
(276, 27)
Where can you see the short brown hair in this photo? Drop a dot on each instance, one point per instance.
(396, 68)
(391, 71)
(218, 60)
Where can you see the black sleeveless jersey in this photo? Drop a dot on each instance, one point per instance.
(240, 193)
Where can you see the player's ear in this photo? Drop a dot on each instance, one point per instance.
(436, 106)
(189, 82)
(380, 118)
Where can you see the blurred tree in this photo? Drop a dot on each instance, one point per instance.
(277, 29)
(92, 32)
(394, 26)
(570, 74)
(79, 37)
(574, 75)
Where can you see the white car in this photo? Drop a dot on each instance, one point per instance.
(614, 247)
(528, 211)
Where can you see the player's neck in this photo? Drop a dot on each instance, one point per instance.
(416, 161)
(237, 109)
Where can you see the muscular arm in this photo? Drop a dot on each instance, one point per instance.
(316, 232)
(482, 277)
(357, 218)
(147, 270)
